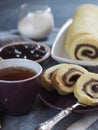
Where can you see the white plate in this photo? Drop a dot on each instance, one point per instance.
(58, 51)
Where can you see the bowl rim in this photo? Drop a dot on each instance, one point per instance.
(29, 42)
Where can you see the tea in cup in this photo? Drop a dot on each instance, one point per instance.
(19, 85)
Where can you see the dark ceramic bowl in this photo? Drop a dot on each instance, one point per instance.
(18, 96)
(27, 50)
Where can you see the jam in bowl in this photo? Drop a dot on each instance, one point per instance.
(27, 50)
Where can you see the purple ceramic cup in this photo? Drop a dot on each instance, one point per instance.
(18, 97)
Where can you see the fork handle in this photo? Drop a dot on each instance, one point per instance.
(48, 125)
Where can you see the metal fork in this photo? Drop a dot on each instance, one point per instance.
(49, 124)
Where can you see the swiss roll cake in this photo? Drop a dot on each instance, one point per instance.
(65, 77)
(86, 89)
(82, 34)
(46, 76)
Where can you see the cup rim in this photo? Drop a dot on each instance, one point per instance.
(23, 80)
(35, 5)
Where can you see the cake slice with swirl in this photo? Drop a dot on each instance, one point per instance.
(47, 74)
(86, 89)
(84, 47)
(65, 77)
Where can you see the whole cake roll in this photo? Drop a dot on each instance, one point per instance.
(82, 34)
(86, 89)
(64, 78)
(46, 76)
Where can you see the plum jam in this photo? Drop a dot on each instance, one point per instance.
(27, 51)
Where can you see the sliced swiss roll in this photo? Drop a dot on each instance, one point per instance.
(85, 47)
(64, 78)
(46, 76)
(86, 89)
(82, 34)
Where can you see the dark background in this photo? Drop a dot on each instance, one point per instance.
(62, 10)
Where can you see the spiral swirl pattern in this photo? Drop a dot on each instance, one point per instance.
(86, 89)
